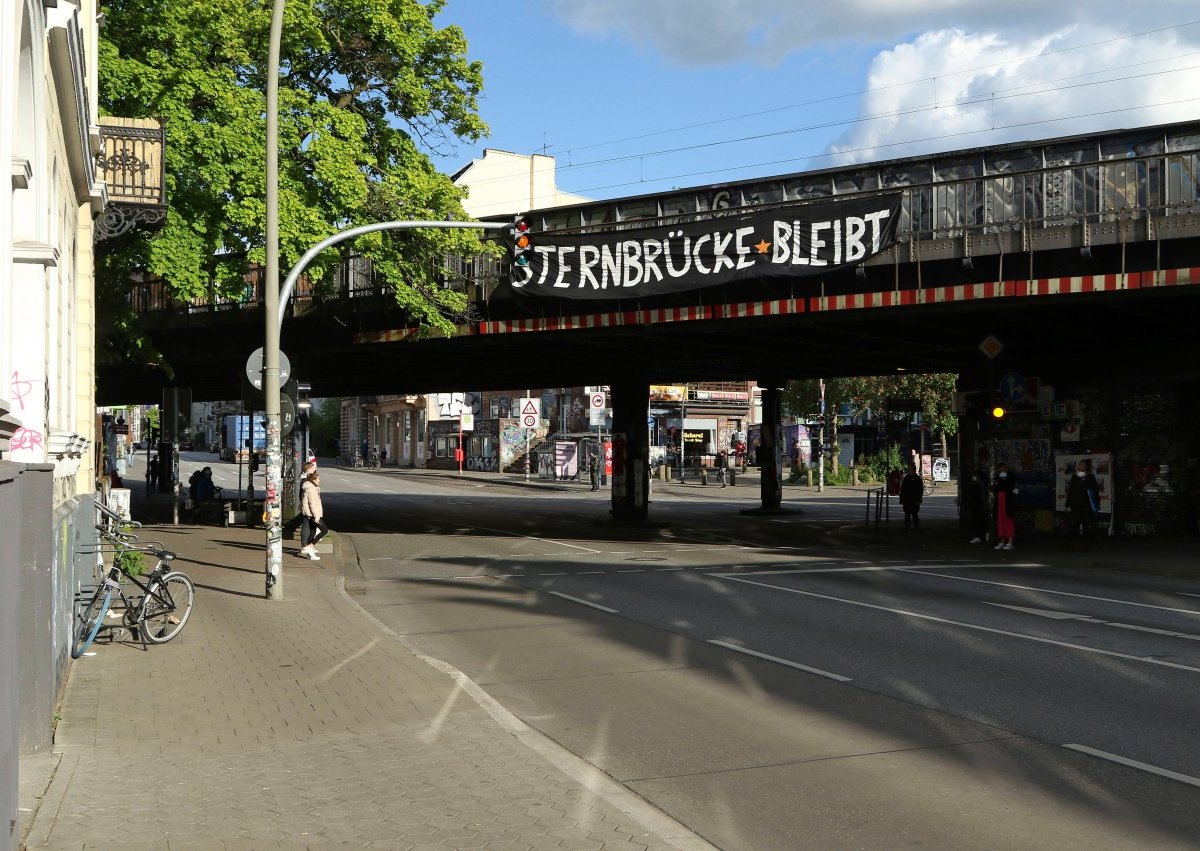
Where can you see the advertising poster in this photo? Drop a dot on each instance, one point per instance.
(1064, 469)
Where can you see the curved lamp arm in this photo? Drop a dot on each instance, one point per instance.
(285, 292)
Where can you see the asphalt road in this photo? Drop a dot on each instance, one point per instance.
(773, 683)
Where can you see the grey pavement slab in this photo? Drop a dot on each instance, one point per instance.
(303, 723)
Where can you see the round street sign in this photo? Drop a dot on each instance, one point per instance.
(597, 401)
(287, 415)
(254, 368)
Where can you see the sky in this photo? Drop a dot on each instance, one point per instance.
(638, 96)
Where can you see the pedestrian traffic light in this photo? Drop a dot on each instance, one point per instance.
(996, 410)
(522, 243)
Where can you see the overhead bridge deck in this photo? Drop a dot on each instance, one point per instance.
(1060, 247)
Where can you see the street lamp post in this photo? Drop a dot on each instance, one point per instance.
(276, 299)
(272, 511)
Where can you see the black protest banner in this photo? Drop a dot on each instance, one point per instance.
(803, 239)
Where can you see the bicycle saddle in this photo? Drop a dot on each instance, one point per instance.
(163, 555)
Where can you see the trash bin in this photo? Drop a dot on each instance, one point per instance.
(894, 479)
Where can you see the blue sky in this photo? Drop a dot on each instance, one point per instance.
(637, 96)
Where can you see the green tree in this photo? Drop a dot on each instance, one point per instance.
(935, 392)
(324, 426)
(368, 88)
(802, 399)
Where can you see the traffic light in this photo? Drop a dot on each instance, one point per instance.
(996, 410)
(522, 242)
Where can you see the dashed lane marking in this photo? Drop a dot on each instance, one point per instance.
(1133, 763)
(778, 660)
(584, 602)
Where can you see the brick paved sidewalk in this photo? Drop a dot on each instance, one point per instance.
(303, 723)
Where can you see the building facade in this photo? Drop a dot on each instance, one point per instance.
(49, 138)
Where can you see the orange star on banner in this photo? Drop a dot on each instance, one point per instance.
(763, 246)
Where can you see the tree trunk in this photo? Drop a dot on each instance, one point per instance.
(833, 443)
(945, 448)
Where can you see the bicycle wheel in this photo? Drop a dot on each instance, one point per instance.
(89, 621)
(166, 608)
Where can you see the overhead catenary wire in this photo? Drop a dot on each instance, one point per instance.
(1009, 93)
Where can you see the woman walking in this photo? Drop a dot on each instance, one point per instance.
(1004, 508)
(310, 507)
(306, 529)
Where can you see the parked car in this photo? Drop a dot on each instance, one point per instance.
(185, 446)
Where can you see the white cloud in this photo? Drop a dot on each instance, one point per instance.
(716, 32)
(1007, 68)
(981, 89)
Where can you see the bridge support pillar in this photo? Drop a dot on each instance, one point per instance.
(770, 447)
(630, 448)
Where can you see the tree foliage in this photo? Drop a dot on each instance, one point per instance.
(935, 392)
(367, 89)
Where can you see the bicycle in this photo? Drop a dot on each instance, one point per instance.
(374, 460)
(158, 615)
(356, 461)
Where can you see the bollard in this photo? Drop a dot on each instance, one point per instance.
(854, 476)
(703, 476)
(808, 477)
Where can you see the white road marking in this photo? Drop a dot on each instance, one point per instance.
(1133, 763)
(1062, 593)
(584, 602)
(384, 558)
(787, 662)
(799, 569)
(974, 626)
(1071, 616)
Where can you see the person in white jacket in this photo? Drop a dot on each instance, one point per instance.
(314, 513)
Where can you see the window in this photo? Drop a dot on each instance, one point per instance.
(495, 406)
(635, 210)
(599, 215)
(407, 428)
(561, 220)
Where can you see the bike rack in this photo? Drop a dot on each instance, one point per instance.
(882, 505)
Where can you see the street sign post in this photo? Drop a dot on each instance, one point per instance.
(466, 422)
(529, 412)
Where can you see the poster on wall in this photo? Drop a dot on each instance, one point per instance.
(1064, 468)
(1031, 462)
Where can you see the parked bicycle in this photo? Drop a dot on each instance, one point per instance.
(161, 610)
(357, 460)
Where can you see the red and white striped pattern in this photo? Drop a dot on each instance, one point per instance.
(856, 301)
